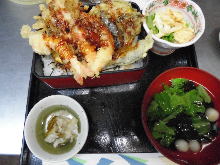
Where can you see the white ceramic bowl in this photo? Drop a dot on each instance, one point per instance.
(30, 126)
(191, 10)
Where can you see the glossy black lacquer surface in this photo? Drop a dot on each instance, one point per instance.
(114, 112)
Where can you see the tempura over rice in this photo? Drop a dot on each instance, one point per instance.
(86, 42)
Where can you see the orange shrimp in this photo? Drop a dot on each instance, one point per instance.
(67, 55)
(82, 41)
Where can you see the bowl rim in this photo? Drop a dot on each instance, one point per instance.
(39, 107)
(145, 105)
(195, 39)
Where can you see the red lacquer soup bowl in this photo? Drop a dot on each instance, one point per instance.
(210, 153)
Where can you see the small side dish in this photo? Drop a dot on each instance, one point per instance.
(199, 140)
(173, 24)
(57, 129)
(182, 116)
(170, 25)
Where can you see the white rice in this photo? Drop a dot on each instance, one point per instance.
(50, 68)
(137, 64)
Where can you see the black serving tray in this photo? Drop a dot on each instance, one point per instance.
(113, 111)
